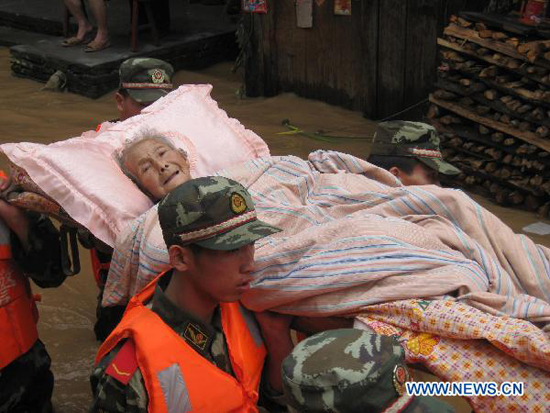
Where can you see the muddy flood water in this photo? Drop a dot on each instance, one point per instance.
(67, 313)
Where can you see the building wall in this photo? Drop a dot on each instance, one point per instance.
(379, 60)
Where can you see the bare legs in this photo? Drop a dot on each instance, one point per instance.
(84, 27)
(100, 13)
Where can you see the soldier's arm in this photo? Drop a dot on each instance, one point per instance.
(34, 241)
(17, 221)
(276, 334)
(35, 245)
(313, 325)
(89, 241)
(39, 254)
(115, 396)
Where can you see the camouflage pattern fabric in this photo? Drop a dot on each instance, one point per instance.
(350, 370)
(214, 212)
(26, 384)
(112, 396)
(412, 139)
(41, 260)
(146, 79)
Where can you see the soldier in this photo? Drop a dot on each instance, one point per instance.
(29, 247)
(143, 81)
(185, 343)
(351, 370)
(410, 151)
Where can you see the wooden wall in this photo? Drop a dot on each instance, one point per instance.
(379, 60)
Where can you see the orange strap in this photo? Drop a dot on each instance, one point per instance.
(98, 266)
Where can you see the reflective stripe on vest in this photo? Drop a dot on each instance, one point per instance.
(18, 314)
(177, 378)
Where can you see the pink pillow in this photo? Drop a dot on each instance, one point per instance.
(82, 176)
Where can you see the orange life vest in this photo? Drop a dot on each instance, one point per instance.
(178, 378)
(18, 312)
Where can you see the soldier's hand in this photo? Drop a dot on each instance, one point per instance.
(273, 324)
(16, 219)
(5, 182)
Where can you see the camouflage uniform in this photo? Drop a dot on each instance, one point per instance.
(351, 370)
(26, 384)
(42, 260)
(214, 213)
(411, 139)
(113, 396)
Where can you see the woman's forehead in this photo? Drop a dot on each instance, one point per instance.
(151, 143)
(146, 147)
(144, 150)
(141, 151)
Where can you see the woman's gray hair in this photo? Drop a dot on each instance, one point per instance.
(143, 135)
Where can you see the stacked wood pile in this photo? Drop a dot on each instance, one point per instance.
(492, 108)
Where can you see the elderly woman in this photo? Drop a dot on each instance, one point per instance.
(153, 163)
(156, 166)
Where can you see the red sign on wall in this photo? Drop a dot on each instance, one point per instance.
(255, 6)
(342, 7)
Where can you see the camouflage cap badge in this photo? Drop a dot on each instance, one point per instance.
(412, 139)
(400, 377)
(351, 370)
(157, 76)
(238, 203)
(213, 212)
(146, 79)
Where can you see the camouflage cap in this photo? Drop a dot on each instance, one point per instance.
(146, 79)
(351, 370)
(214, 212)
(413, 139)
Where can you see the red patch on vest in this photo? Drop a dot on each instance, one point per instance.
(124, 364)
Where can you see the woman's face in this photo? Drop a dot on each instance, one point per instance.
(157, 167)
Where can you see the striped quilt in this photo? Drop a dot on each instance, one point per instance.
(353, 237)
(468, 298)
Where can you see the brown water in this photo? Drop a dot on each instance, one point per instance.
(67, 313)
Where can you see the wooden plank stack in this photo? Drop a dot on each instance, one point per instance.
(492, 109)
